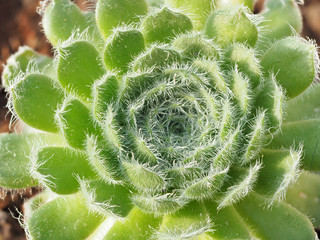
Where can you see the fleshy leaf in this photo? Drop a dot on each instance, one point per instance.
(280, 222)
(157, 204)
(281, 19)
(305, 132)
(243, 58)
(20, 61)
(234, 3)
(61, 18)
(143, 178)
(137, 226)
(196, 10)
(227, 26)
(193, 47)
(79, 66)
(75, 121)
(272, 99)
(15, 163)
(64, 218)
(305, 106)
(36, 98)
(111, 14)
(189, 222)
(290, 53)
(156, 57)
(107, 199)
(240, 189)
(228, 224)
(305, 195)
(280, 170)
(164, 26)
(60, 168)
(121, 49)
(104, 94)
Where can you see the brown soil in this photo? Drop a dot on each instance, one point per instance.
(19, 25)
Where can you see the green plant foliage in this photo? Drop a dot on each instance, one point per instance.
(164, 120)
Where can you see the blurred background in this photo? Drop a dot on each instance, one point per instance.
(19, 25)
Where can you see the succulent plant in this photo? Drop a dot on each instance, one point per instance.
(176, 120)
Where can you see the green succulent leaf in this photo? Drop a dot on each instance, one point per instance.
(111, 14)
(197, 11)
(304, 132)
(16, 150)
(75, 122)
(281, 19)
(79, 66)
(121, 49)
(234, 3)
(289, 53)
(171, 120)
(65, 218)
(164, 26)
(305, 106)
(60, 167)
(61, 18)
(243, 58)
(228, 224)
(107, 199)
(189, 222)
(304, 196)
(227, 26)
(35, 99)
(19, 62)
(279, 172)
(137, 226)
(280, 222)
(193, 47)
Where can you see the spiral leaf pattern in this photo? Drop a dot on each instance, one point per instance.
(152, 120)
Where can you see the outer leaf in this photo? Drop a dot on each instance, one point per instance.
(164, 26)
(156, 57)
(187, 223)
(35, 100)
(107, 199)
(280, 170)
(113, 13)
(192, 47)
(20, 62)
(104, 94)
(76, 123)
(290, 53)
(198, 11)
(272, 98)
(305, 196)
(137, 226)
(280, 222)
(65, 218)
(38, 200)
(243, 58)
(14, 158)
(241, 188)
(60, 19)
(121, 49)
(227, 26)
(305, 132)
(79, 66)
(281, 19)
(60, 168)
(305, 106)
(143, 178)
(232, 3)
(228, 224)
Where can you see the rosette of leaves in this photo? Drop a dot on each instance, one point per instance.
(163, 122)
